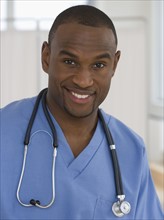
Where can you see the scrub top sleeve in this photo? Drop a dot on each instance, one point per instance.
(148, 205)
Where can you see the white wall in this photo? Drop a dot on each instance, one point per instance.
(19, 63)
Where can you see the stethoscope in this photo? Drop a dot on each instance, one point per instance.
(119, 208)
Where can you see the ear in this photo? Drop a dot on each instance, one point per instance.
(45, 56)
(116, 59)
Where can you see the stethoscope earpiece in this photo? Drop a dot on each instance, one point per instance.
(34, 202)
(121, 208)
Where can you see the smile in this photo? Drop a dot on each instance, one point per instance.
(79, 96)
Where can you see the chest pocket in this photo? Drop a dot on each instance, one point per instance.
(103, 210)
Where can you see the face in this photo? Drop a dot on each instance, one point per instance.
(80, 63)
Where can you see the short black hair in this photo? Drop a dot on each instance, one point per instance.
(82, 14)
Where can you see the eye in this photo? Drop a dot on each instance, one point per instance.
(99, 65)
(69, 62)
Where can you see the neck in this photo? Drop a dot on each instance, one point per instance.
(77, 130)
(70, 124)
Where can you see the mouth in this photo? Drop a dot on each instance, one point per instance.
(80, 97)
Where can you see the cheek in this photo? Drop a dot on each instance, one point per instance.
(54, 73)
(57, 71)
(105, 79)
(54, 79)
(104, 86)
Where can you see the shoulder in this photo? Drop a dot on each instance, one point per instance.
(122, 132)
(18, 105)
(17, 110)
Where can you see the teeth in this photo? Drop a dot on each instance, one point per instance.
(79, 96)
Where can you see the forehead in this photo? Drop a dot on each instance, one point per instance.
(83, 38)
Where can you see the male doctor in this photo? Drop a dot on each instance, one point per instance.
(77, 180)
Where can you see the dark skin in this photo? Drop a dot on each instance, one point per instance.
(80, 63)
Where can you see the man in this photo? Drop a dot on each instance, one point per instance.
(80, 59)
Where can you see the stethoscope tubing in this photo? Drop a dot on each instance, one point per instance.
(21, 177)
(120, 207)
(49, 120)
(32, 118)
(117, 173)
(41, 95)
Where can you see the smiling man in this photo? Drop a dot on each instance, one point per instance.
(80, 62)
(82, 180)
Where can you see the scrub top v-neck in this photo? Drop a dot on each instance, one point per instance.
(76, 165)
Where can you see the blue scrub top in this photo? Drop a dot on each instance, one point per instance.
(85, 187)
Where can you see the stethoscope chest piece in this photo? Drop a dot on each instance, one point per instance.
(121, 208)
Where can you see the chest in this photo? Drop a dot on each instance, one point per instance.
(84, 185)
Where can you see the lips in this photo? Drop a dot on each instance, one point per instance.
(80, 97)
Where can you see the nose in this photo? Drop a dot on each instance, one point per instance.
(83, 78)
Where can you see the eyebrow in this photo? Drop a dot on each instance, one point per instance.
(65, 52)
(104, 55)
(101, 56)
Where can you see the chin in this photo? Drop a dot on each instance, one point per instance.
(80, 113)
